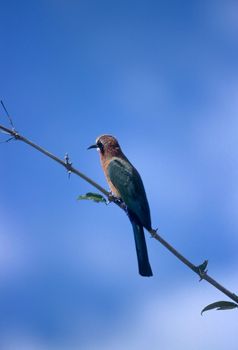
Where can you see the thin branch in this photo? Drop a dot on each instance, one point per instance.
(199, 270)
(65, 163)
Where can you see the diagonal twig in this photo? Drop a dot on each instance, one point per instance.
(199, 270)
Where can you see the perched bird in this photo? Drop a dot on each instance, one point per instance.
(125, 183)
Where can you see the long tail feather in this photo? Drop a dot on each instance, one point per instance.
(141, 249)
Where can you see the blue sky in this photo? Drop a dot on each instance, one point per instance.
(162, 77)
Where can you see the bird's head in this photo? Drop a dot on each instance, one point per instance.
(107, 146)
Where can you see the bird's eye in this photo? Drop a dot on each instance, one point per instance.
(100, 146)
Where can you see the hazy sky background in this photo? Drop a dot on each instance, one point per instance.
(162, 76)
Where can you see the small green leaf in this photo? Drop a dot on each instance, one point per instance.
(220, 305)
(96, 197)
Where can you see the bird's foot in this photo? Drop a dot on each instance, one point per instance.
(112, 198)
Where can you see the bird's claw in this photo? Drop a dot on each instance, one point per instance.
(111, 197)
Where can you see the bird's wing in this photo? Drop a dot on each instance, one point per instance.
(127, 181)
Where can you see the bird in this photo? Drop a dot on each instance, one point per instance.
(125, 183)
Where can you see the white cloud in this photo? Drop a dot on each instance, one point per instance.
(169, 321)
(174, 322)
(13, 251)
(16, 341)
(215, 139)
(142, 94)
(224, 14)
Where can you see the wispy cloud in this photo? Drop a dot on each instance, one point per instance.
(13, 251)
(161, 321)
(171, 323)
(224, 15)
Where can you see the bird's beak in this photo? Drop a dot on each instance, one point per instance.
(93, 146)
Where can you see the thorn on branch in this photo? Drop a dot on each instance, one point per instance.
(8, 116)
(153, 232)
(13, 133)
(201, 270)
(68, 164)
(8, 140)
